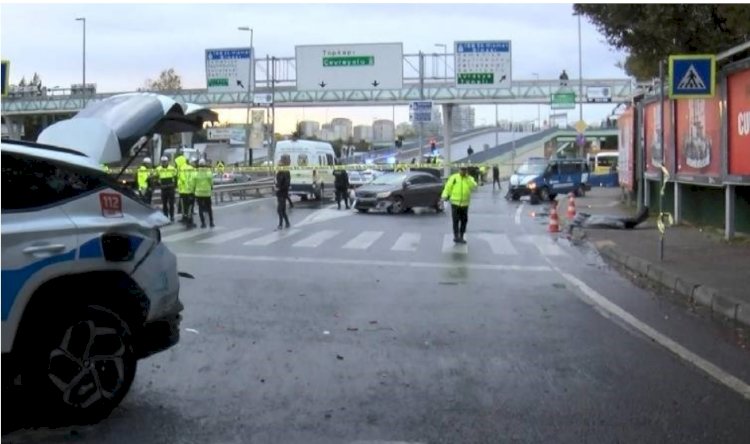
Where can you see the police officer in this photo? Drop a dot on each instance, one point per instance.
(283, 182)
(179, 162)
(204, 184)
(144, 175)
(496, 177)
(458, 189)
(167, 175)
(341, 184)
(186, 188)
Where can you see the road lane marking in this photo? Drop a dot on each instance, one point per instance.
(225, 237)
(499, 243)
(323, 215)
(519, 211)
(602, 303)
(187, 234)
(271, 238)
(407, 242)
(316, 239)
(451, 247)
(545, 244)
(363, 240)
(244, 202)
(364, 262)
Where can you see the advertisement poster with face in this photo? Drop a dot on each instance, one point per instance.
(626, 164)
(699, 137)
(738, 105)
(658, 151)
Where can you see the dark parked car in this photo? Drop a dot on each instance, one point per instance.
(399, 192)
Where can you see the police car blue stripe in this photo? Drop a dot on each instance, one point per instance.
(91, 249)
(13, 280)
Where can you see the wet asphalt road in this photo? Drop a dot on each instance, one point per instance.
(370, 328)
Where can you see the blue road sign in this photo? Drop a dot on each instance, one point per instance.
(420, 111)
(692, 76)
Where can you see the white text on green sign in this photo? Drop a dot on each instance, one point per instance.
(348, 61)
(476, 78)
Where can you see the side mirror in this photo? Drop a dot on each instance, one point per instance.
(406, 185)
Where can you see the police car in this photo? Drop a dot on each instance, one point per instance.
(88, 288)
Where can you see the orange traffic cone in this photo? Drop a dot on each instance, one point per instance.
(554, 223)
(571, 206)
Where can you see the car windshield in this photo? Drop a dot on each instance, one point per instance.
(531, 168)
(354, 175)
(389, 179)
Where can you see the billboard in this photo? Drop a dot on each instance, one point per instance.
(235, 136)
(656, 151)
(228, 70)
(698, 139)
(626, 150)
(4, 77)
(483, 63)
(738, 107)
(599, 94)
(349, 66)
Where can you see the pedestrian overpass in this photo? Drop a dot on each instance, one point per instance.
(276, 80)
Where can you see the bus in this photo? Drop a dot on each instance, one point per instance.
(604, 162)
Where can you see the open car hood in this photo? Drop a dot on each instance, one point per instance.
(106, 130)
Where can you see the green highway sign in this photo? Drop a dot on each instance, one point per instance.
(348, 61)
(476, 78)
(218, 82)
(563, 100)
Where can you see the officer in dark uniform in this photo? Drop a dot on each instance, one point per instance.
(341, 184)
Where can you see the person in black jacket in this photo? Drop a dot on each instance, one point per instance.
(341, 183)
(283, 179)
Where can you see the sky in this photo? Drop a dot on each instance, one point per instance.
(129, 43)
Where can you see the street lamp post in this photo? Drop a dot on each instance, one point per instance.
(538, 106)
(580, 81)
(445, 58)
(250, 91)
(83, 90)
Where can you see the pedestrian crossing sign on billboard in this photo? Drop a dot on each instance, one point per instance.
(692, 76)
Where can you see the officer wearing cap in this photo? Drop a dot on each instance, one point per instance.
(203, 185)
(143, 176)
(186, 188)
(167, 175)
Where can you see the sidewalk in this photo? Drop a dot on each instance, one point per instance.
(698, 265)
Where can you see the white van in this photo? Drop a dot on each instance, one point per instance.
(311, 163)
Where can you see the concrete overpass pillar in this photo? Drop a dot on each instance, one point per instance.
(447, 129)
(186, 139)
(13, 126)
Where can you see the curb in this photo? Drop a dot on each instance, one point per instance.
(695, 293)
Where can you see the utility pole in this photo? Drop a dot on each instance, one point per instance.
(83, 90)
(249, 94)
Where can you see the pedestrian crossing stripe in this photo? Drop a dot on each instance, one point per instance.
(499, 243)
(692, 80)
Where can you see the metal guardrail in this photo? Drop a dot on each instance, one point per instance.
(242, 189)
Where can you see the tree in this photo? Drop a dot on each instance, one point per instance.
(337, 144)
(651, 32)
(168, 80)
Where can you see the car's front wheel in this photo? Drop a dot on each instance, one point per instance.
(81, 364)
(397, 207)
